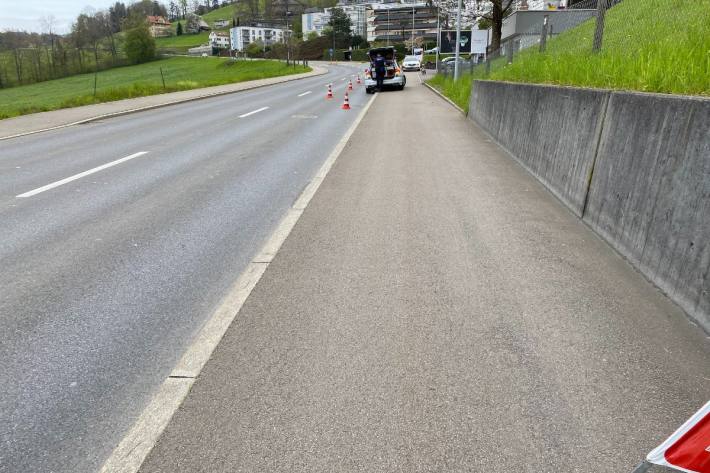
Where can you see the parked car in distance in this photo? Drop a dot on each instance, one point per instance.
(393, 74)
(411, 63)
(450, 62)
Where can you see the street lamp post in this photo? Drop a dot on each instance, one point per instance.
(388, 26)
(438, 36)
(458, 41)
(412, 29)
(287, 37)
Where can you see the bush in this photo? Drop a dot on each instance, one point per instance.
(139, 45)
(255, 49)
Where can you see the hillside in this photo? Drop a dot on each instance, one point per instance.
(180, 44)
(649, 45)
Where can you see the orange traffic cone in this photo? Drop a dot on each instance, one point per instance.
(358, 79)
(350, 85)
(329, 95)
(346, 102)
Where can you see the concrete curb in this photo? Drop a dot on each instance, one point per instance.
(317, 71)
(433, 89)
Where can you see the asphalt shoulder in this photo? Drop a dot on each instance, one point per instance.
(436, 309)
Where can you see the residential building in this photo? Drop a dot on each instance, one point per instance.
(158, 26)
(219, 39)
(315, 21)
(242, 36)
(221, 23)
(399, 22)
(522, 28)
(358, 17)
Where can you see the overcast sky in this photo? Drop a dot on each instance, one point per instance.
(26, 14)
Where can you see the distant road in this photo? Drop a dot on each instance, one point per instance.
(118, 239)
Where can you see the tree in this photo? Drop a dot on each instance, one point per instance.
(178, 31)
(358, 41)
(255, 49)
(95, 32)
(48, 24)
(104, 29)
(340, 28)
(193, 23)
(117, 13)
(494, 11)
(215, 4)
(183, 7)
(174, 11)
(139, 45)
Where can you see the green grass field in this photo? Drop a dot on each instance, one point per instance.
(181, 73)
(180, 44)
(223, 13)
(649, 45)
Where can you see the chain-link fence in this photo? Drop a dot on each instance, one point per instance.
(649, 45)
(536, 27)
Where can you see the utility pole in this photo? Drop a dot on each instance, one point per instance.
(388, 26)
(412, 29)
(287, 37)
(438, 36)
(458, 41)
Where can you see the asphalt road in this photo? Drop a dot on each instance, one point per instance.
(106, 276)
(436, 309)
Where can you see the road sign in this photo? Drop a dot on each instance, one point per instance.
(479, 41)
(688, 449)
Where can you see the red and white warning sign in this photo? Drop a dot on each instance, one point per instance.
(688, 449)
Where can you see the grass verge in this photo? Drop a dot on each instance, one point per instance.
(180, 73)
(658, 46)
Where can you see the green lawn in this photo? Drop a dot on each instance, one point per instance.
(223, 13)
(649, 45)
(180, 44)
(181, 73)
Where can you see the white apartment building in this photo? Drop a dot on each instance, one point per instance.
(219, 39)
(316, 21)
(241, 36)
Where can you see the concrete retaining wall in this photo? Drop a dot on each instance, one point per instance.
(648, 156)
(548, 129)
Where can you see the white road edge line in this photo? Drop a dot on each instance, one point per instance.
(132, 451)
(253, 112)
(80, 175)
(304, 93)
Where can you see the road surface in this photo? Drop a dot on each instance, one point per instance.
(436, 309)
(118, 239)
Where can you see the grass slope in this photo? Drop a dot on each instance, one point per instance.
(649, 45)
(180, 44)
(224, 13)
(181, 73)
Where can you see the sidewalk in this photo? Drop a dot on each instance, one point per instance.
(436, 309)
(26, 124)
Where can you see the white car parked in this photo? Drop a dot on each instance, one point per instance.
(411, 63)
